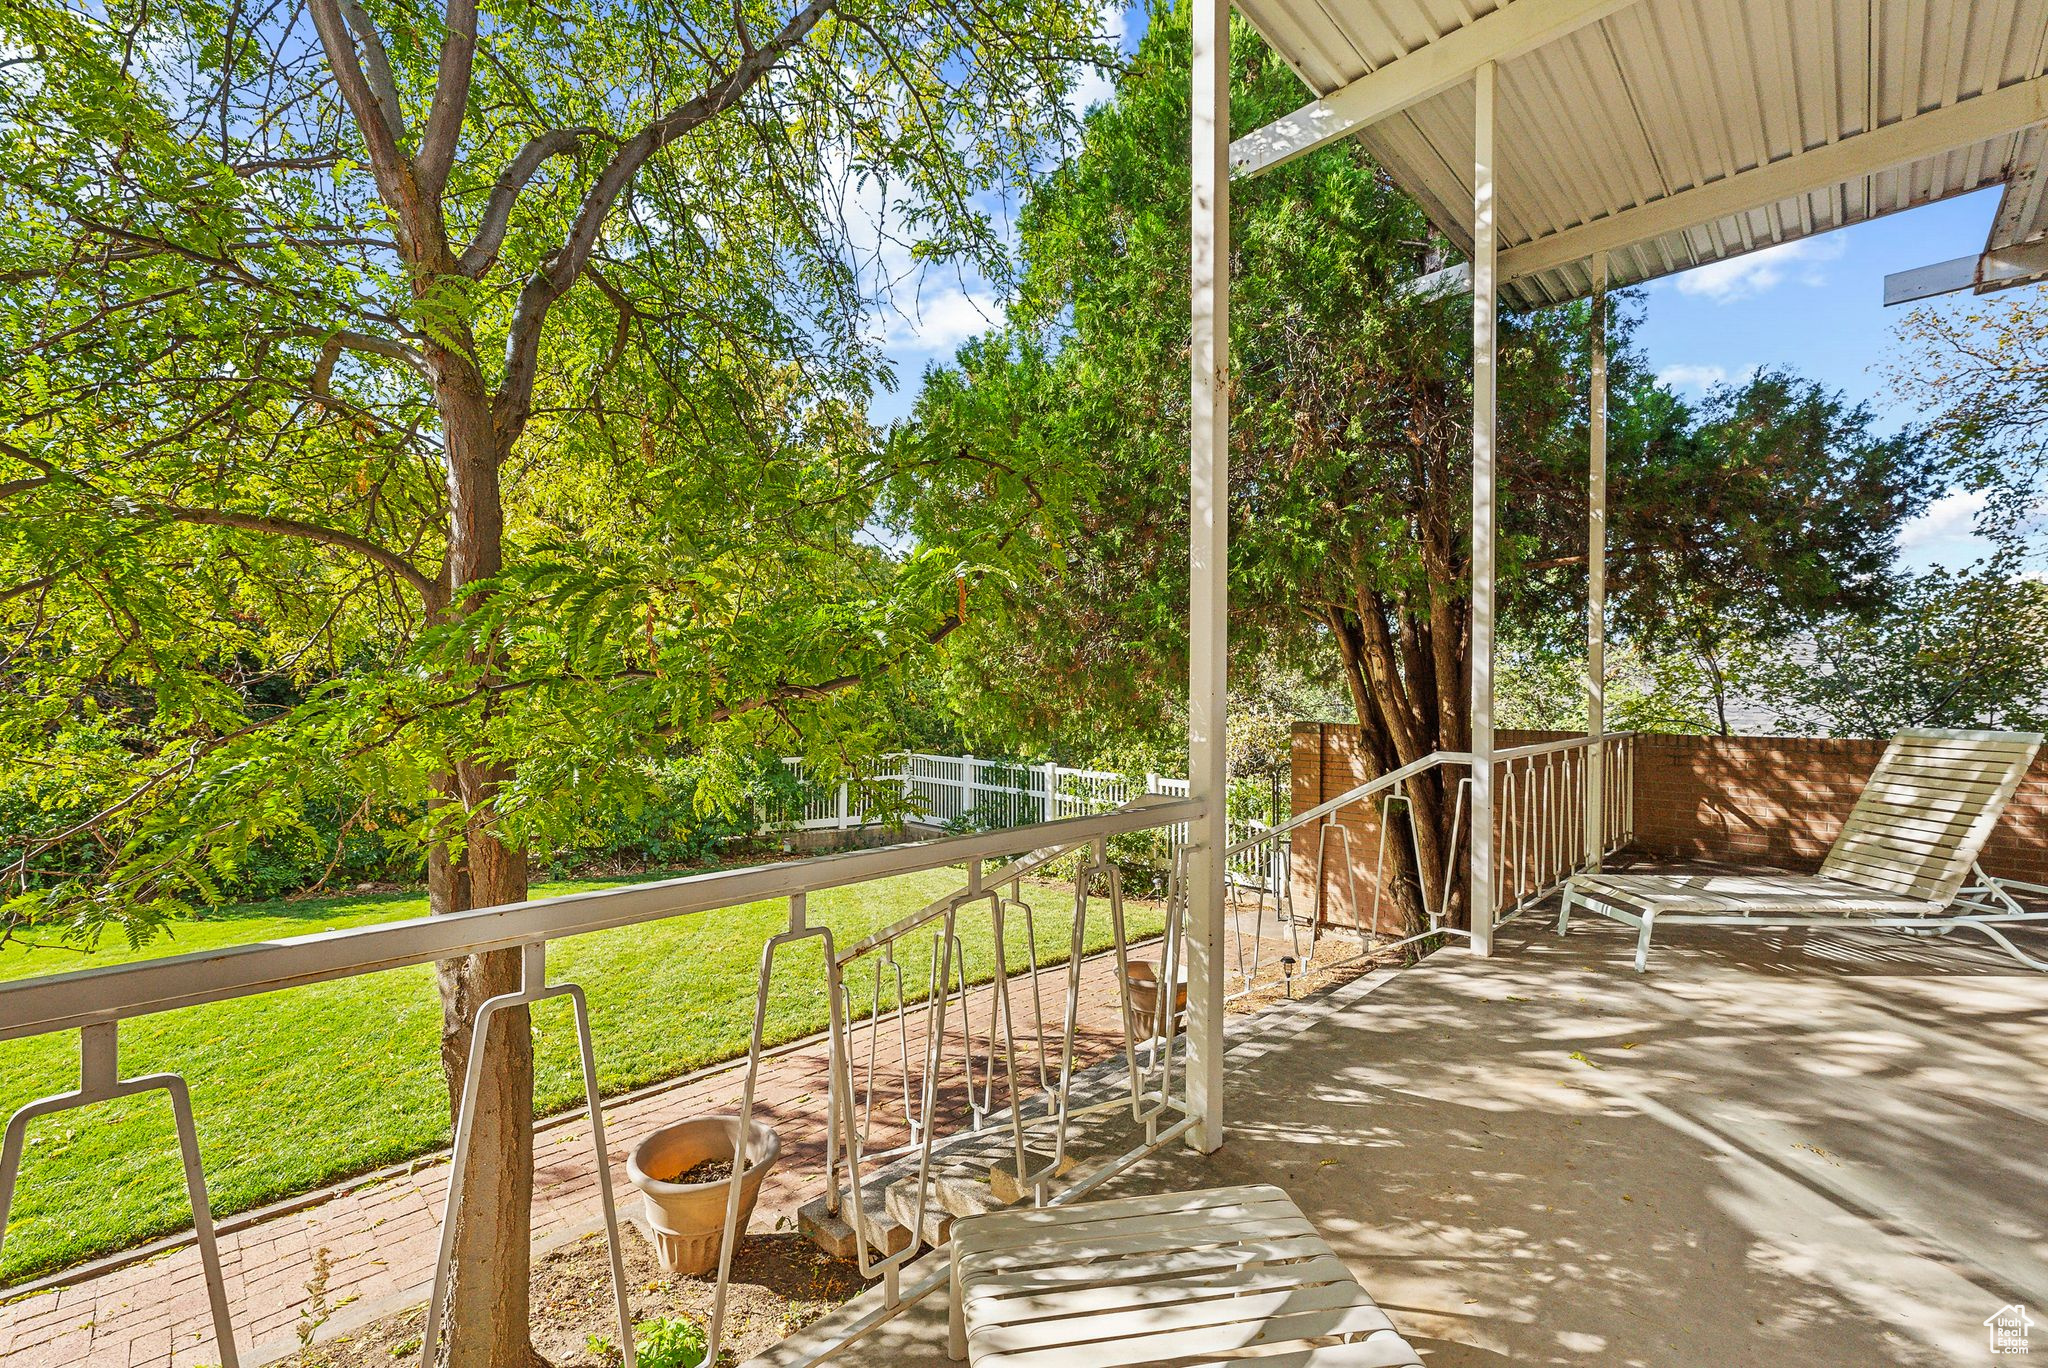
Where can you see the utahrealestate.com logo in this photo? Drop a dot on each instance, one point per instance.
(2007, 1328)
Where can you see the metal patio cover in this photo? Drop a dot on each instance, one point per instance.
(1671, 133)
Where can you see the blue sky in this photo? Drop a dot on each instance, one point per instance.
(1817, 307)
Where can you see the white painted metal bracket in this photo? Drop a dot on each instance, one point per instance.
(99, 1080)
(533, 988)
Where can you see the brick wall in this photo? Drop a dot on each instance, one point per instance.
(1753, 800)
(1780, 801)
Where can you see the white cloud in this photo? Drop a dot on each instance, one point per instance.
(943, 319)
(1685, 375)
(1095, 86)
(1746, 276)
(1949, 519)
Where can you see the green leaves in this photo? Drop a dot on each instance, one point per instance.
(256, 391)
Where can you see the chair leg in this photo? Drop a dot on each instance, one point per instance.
(2022, 956)
(1643, 942)
(956, 1315)
(1564, 912)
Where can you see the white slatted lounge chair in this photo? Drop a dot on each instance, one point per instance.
(1903, 859)
(1231, 1276)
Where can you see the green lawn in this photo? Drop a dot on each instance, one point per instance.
(300, 1088)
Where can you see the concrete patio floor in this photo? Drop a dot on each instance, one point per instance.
(1775, 1148)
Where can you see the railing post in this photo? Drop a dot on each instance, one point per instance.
(1208, 546)
(1052, 789)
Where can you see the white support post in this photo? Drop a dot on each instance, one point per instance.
(1052, 790)
(1484, 306)
(1208, 539)
(1596, 576)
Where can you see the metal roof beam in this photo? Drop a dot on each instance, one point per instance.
(2000, 268)
(2023, 209)
(1922, 135)
(1509, 31)
(1449, 281)
(1927, 282)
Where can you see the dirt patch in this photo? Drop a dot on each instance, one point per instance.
(780, 1283)
(1341, 963)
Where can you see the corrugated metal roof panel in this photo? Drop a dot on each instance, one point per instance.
(1667, 95)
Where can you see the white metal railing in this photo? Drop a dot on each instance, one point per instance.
(1272, 849)
(1540, 839)
(948, 790)
(1540, 812)
(93, 1002)
(1015, 1069)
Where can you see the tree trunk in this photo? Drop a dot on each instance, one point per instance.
(1407, 686)
(487, 1310)
(488, 1314)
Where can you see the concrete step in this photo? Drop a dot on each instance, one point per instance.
(833, 1232)
(959, 1191)
(1010, 1189)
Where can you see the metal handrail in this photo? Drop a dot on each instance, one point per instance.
(1350, 796)
(85, 997)
(1535, 829)
(1536, 748)
(1409, 771)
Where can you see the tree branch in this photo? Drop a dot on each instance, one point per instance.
(345, 340)
(1554, 563)
(627, 313)
(15, 591)
(451, 100)
(394, 176)
(824, 688)
(292, 527)
(562, 266)
(376, 67)
(490, 234)
(10, 488)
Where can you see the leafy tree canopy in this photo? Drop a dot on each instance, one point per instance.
(1979, 367)
(391, 395)
(1957, 649)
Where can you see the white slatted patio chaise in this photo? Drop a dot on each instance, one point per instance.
(1231, 1276)
(1904, 860)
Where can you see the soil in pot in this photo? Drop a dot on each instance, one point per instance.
(704, 1171)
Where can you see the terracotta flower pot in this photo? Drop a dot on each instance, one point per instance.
(685, 1220)
(1143, 977)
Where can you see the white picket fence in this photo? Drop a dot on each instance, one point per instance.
(989, 795)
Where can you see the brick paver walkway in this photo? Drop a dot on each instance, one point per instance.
(378, 1240)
